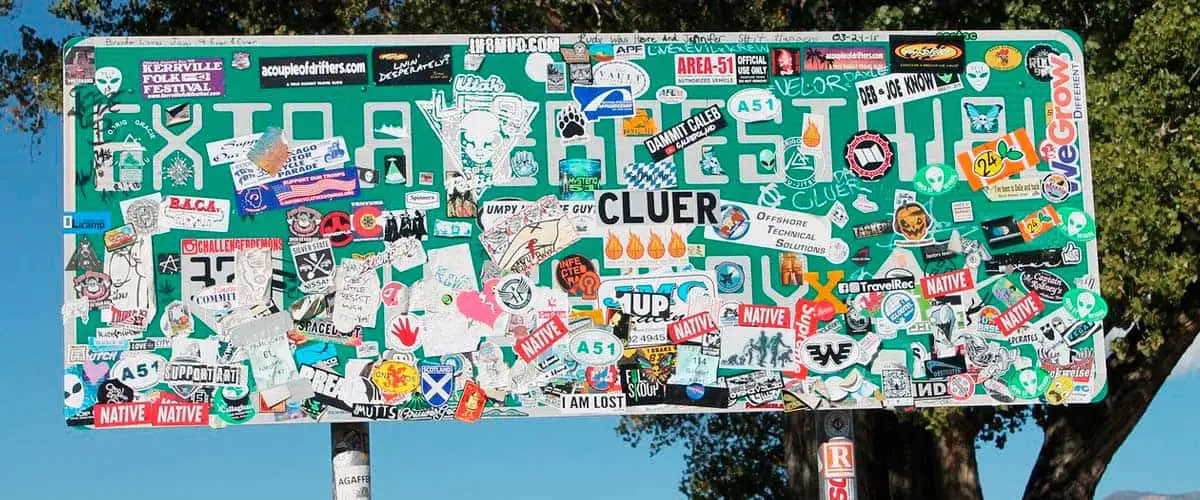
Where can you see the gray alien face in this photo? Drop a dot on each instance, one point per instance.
(108, 80)
(480, 136)
(766, 159)
(978, 74)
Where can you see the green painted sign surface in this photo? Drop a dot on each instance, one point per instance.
(316, 229)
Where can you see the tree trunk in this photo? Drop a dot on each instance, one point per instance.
(1081, 440)
(801, 454)
(956, 459)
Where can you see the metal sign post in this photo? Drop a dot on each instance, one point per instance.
(351, 444)
(835, 455)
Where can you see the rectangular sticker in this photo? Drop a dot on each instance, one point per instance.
(602, 101)
(927, 54)
(834, 58)
(194, 213)
(657, 300)
(312, 71)
(772, 228)
(646, 246)
(87, 222)
(693, 208)
(898, 88)
(230, 150)
(685, 133)
(175, 78)
(753, 69)
(320, 155)
(705, 69)
(582, 404)
(321, 186)
(521, 242)
(412, 65)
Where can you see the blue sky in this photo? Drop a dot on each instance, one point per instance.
(530, 459)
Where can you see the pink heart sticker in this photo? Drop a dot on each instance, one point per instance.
(480, 306)
(94, 371)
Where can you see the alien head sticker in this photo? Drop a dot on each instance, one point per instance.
(1029, 383)
(479, 127)
(936, 179)
(1085, 305)
(1077, 224)
(978, 74)
(108, 80)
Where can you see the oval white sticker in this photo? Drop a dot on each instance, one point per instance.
(139, 372)
(595, 347)
(621, 73)
(754, 105)
(671, 94)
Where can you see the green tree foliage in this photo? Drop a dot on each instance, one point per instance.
(1143, 73)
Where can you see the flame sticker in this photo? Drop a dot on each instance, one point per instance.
(677, 247)
(634, 249)
(656, 249)
(612, 248)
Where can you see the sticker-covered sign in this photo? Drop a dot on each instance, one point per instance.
(342, 228)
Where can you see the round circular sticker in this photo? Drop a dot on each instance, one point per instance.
(576, 274)
(337, 228)
(1003, 57)
(1037, 62)
(303, 222)
(394, 294)
(869, 155)
(730, 277)
(936, 179)
(404, 333)
(514, 293)
(142, 214)
(1060, 389)
(622, 73)
(233, 405)
(900, 309)
(1056, 188)
(1029, 383)
(961, 386)
(735, 222)
(838, 251)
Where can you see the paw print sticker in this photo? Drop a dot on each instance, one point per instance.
(570, 123)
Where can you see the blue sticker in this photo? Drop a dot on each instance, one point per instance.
(602, 101)
(730, 277)
(87, 222)
(321, 186)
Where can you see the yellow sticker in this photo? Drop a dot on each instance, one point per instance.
(1060, 389)
(394, 377)
(1003, 57)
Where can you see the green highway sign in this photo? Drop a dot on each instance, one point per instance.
(351, 228)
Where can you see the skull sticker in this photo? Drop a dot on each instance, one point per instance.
(108, 80)
(978, 75)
